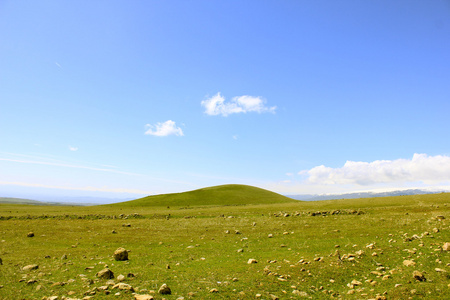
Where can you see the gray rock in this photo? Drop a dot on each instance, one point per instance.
(30, 267)
(105, 274)
(164, 290)
(121, 254)
(419, 276)
(120, 278)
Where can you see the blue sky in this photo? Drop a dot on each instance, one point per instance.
(130, 98)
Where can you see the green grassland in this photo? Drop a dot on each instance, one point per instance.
(202, 240)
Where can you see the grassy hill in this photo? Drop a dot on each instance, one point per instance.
(230, 194)
(8, 200)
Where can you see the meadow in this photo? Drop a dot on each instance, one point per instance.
(234, 248)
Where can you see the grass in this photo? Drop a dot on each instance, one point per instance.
(194, 248)
(230, 194)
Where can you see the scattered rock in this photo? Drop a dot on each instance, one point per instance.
(409, 263)
(30, 234)
(105, 274)
(446, 247)
(214, 290)
(120, 278)
(30, 267)
(252, 261)
(124, 287)
(299, 293)
(64, 257)
(164, 290)
(419, 276)
(58, 284)
(356, 282)
(143, 297)
(121, 254)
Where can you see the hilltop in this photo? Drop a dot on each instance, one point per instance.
(230, 194)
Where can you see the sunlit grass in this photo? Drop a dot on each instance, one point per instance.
(195, 250)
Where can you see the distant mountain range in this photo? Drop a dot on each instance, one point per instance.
(308, 197)
(9, 200)
(87, 201)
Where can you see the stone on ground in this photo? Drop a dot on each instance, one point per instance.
(143, 297)
(446, 247)
(419, 276)
(30, 267)
(121, 254)
(164, 290)
(409, 263)
(105, 274)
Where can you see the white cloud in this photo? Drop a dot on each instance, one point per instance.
(216, 105)
(164, 129)
(421, 168)
(73, 148)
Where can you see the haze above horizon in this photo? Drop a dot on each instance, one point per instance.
(118, 99)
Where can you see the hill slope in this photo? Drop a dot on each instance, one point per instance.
(230, 194)
(8, 200)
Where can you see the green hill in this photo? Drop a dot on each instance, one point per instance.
(8, 200)
(230, 194)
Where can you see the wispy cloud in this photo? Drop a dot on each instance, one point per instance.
(71, 148)
(164, 129)
(56, 164)
(216, 105)
(87, 188)
(421, 168)
(36, 160)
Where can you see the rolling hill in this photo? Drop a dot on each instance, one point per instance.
(8, 200)
(230, 194)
